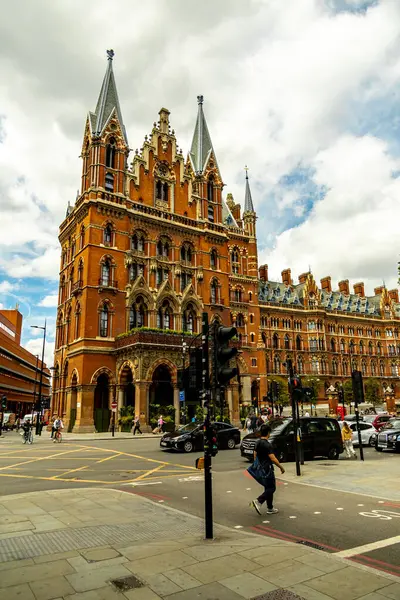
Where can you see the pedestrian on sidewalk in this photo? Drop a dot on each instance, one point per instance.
(264, 461)
(136, 426)
(347, 437)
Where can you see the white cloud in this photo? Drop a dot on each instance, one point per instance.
(49, 301)
(280, 79)
(35, 346)
(6, 286)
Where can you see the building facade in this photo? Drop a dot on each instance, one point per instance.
(151, 244)
(19, 369)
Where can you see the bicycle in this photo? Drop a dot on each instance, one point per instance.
(28, 437)
(58, 436)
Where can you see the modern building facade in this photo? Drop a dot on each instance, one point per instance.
(151, 244)
(19, 369)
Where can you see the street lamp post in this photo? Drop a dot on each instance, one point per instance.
(258, 396)
(41, 377)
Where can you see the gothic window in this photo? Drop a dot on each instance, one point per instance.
(80, 273)
(378, 349)
(164, 316)
(210, 213)
(298, 343)
(104, 321)
(239, 320)
(235, 264)
(162, 249)
(108, 235)
(398, 350)
(137, 313)
(110, 154)
(333, 345)
(251, 318)
(189, 319)
(250, 296)
(313, 344)
(133, 271)
(77, 321)
(186, 254)
(319, 325)
(237, 295)
(377, 333)
(342, 346)
(350, 330)
(311, 325)
(109, 180)
(73, 250)
(277, 364)
(361, 347)
(389, 332)
(214, 292)
(370, 348)
(373, 369)
(351, 347)
(360, 331)
(275, 341)
(186, 279)
(287, 342)
(82, 237)
(315, 366)
(105, 273)
(62, 289)
(395, 370)
(321, 344)
(364, 367)
(396, 332)
(300, 366)
(275, 323)
(252, 338)
(213, 259)
(158, 190)
(381, 369)
(210, 189)
(334, 367)
(345, 368)
(137, 242)
(354, 365)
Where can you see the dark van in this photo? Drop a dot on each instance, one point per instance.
(320, 436)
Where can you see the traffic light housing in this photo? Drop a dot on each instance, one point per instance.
(223, 353)
(358, 387)
(341, 395)
(210, 440)
(4, 403)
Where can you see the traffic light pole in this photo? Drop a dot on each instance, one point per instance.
(294, 416)
(208, 513)
(39, 412)
(358, 393)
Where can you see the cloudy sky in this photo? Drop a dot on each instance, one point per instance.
(305, 92)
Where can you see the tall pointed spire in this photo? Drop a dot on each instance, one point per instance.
(201, 144)
(248, 201)
(107, 102)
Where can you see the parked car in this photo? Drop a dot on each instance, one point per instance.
(378, 421)
(388, 438)
(368, 433)
(191, 437)
(321, 436)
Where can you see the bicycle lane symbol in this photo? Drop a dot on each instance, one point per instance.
(383, 515)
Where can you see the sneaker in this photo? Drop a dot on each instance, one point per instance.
(272, 511)
(255, 504)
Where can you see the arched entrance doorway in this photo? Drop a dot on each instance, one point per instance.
(128, 387)
(161, 390)
(74, 398)
(101, 411)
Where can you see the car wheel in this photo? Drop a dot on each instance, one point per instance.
(231, 444)
(378, 449)
(188, 446)
(371, 442)
(333, 453)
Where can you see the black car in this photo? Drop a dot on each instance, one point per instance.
(320, 436)
(190, 437)
(388, 438)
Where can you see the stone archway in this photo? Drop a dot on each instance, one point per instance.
(127, 387)
(161, 389)
(74, 401)
(101, 409)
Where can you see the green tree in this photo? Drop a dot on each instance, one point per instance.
(348, 392)
(283, 397)
(372, 389)
(313, 383)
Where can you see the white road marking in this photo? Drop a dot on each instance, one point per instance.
(161, 501)
(381, 502)
(340, 509)
(265, 521)
(248, 489)
(285, 484)
(238, 526)
(380, 513)
(360, 504)
(292, 517)
(369, 547)
(191, 478)
(184, 497)
(142, 483)
(317, 512)
(229, 492)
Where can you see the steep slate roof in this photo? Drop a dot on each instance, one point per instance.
(201, 147)
(275, 292)
(248, 201)
(107, 102)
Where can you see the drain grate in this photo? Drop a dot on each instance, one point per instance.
(279, 595)
(127, 583)
(312, 545)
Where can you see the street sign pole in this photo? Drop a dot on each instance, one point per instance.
(114, 406)
(358, 393)
(294, 416)
(207, 429)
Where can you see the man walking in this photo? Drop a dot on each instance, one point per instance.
(267, 459)
(137, 426)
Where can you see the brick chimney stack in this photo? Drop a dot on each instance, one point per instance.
(378, 290)
(359, 289)
(286, 277)
(394, 294)
(344, 287)
(326, 284)
(303, 277)
(263, 272)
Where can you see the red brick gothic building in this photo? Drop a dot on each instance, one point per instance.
(151, 244)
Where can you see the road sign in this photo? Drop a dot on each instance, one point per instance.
(182, 396)
(114, 406)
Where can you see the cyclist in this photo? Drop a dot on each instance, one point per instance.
(27, 429)
(57, 426)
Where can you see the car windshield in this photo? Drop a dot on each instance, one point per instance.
(280, 428)
(369, 418)
(188, 427)
(393, 424)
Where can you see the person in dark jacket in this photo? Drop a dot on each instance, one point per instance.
(265, 454)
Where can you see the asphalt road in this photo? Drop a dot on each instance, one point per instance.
(324, 516)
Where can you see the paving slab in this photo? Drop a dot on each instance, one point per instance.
(88, 580)
(103, 593)
(210, 591)
(287, 573)
(33, 573)
(164, 562)
(20, 592)
(182, 579)
(349, 583)
(247, 585)
(391, 591)
(144, 593)
(225, 566)
(49, 589)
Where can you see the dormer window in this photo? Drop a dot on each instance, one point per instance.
(110, 153)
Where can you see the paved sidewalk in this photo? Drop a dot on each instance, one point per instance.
(104, 544)
(81, 437)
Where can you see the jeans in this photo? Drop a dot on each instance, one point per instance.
(267, 496)
(136, 428)
(348, 446)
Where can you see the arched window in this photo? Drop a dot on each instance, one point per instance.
(132, 271)
(345, 367)
(104, 321)
(361, 347)
(77, 321)
(109, 180)
(137, 242)
(300, 366)
(159, 190)
(165, 189)
(252, 338)
(80, 273)
(373, 369)
(313, 344)
(251, 318)
(287, 342)
(364, 367)
(213, 259)
(189, 319)
(378, 349)
(110, 154)
(333, 345)
(164, 316)
(298, 343)
(105, 272)
(351, 347)
(370, 348)
(315, 365)
(334, 367)
(210, 189)
(342, 346)
(214, 292)
(381, 369)
(137, 313)
(275, 341)
(235, 264)
(62, 289)
(277, 364)
(108, 235)
(394, 370)
(239, 320)
(250, 296)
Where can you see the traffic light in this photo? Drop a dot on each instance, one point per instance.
(4, 403)
(358, 388)
(341, 395)
(275, 389)
(223, 354)
(210, 440)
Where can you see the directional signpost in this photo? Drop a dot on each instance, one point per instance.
(114, 406)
